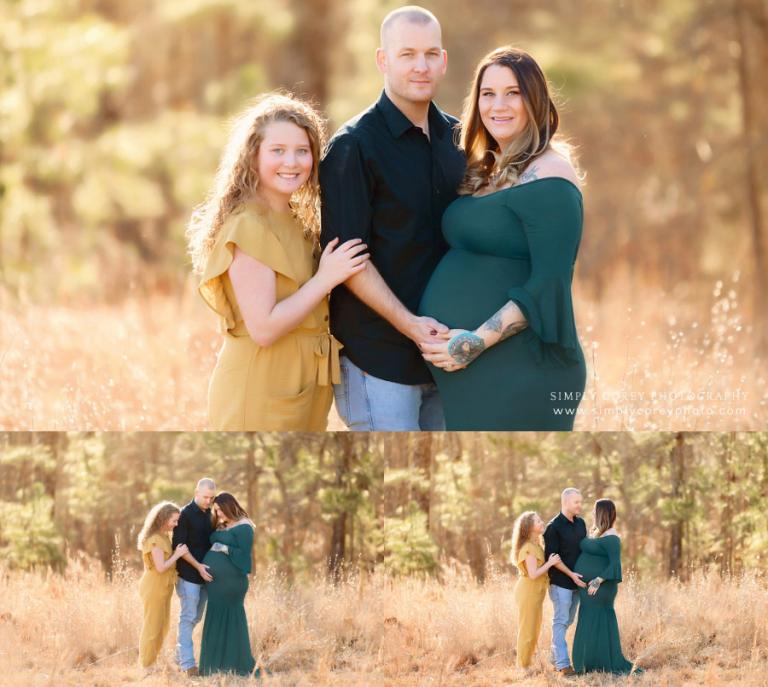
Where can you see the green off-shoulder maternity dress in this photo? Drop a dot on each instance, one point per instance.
(226, 646)
(516, 244)
(596, 644)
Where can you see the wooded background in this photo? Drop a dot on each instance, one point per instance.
(401, 503)
(112, 120)
(113, 115)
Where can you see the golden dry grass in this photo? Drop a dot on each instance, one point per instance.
(78, 629)
(144, 365)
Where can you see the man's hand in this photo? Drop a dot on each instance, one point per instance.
(458, 348)
(576, 577)
(203, 570)
(424, 329)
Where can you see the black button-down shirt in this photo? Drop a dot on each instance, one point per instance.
(384, 181)
(564, 537)
(194, 530)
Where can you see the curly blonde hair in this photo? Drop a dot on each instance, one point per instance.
(487, 165)
(521, 533)
(156, 518)
(237, 178)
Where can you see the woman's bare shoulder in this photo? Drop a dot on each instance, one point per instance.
(550, 164)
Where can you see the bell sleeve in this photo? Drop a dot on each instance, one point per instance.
(612, 548)
(552, 216)
(240, 550)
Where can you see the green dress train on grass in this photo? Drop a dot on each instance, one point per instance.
(596, 644)
(516, 244)
(226, 646)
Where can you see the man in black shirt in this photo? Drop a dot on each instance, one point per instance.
(194, 530)
(386, 177)
(563, 536)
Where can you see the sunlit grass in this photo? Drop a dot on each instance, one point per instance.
(80, 629)
(666, 364)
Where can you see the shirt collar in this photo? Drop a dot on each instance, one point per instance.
(398, 123)
(193, 503)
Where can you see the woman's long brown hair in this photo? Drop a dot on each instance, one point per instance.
(482, 151)
(230, 507)
(605, 516)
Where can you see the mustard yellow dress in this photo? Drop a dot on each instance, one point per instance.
(287, 385)
(529, 595)
(156, 590)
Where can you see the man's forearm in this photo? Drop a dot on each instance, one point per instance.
(562, 567)
(369, 286)
(189, 558)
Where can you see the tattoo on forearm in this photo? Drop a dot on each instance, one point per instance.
(496, 323)
(512, 328)
(464, 348)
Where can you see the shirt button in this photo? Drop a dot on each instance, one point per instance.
(326, 318)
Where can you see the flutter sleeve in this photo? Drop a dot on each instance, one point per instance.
(151, 542)
(552, 215)
(525, 551)
(253, 235)
(156, 540)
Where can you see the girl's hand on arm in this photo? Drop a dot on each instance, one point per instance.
(181, 549)
(534, 571)
(255, 286)
(159, 560)
(340, 262)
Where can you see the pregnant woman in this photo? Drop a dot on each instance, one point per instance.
(512, 359)
(596, 644)
(226, 646)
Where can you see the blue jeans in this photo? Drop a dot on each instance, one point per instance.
(565, 602)
(193, 597)
(368, 404)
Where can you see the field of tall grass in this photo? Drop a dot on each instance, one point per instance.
(144, 364)
(79, 629)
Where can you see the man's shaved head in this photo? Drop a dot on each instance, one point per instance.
(410, 13)
(569, 491)
(570, 502)
(204, 492)
(205, 483)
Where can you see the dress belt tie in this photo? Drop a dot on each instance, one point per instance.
(327, 349)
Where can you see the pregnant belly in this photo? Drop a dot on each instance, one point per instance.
(590, 566)
(229, 582)
(467, 288)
